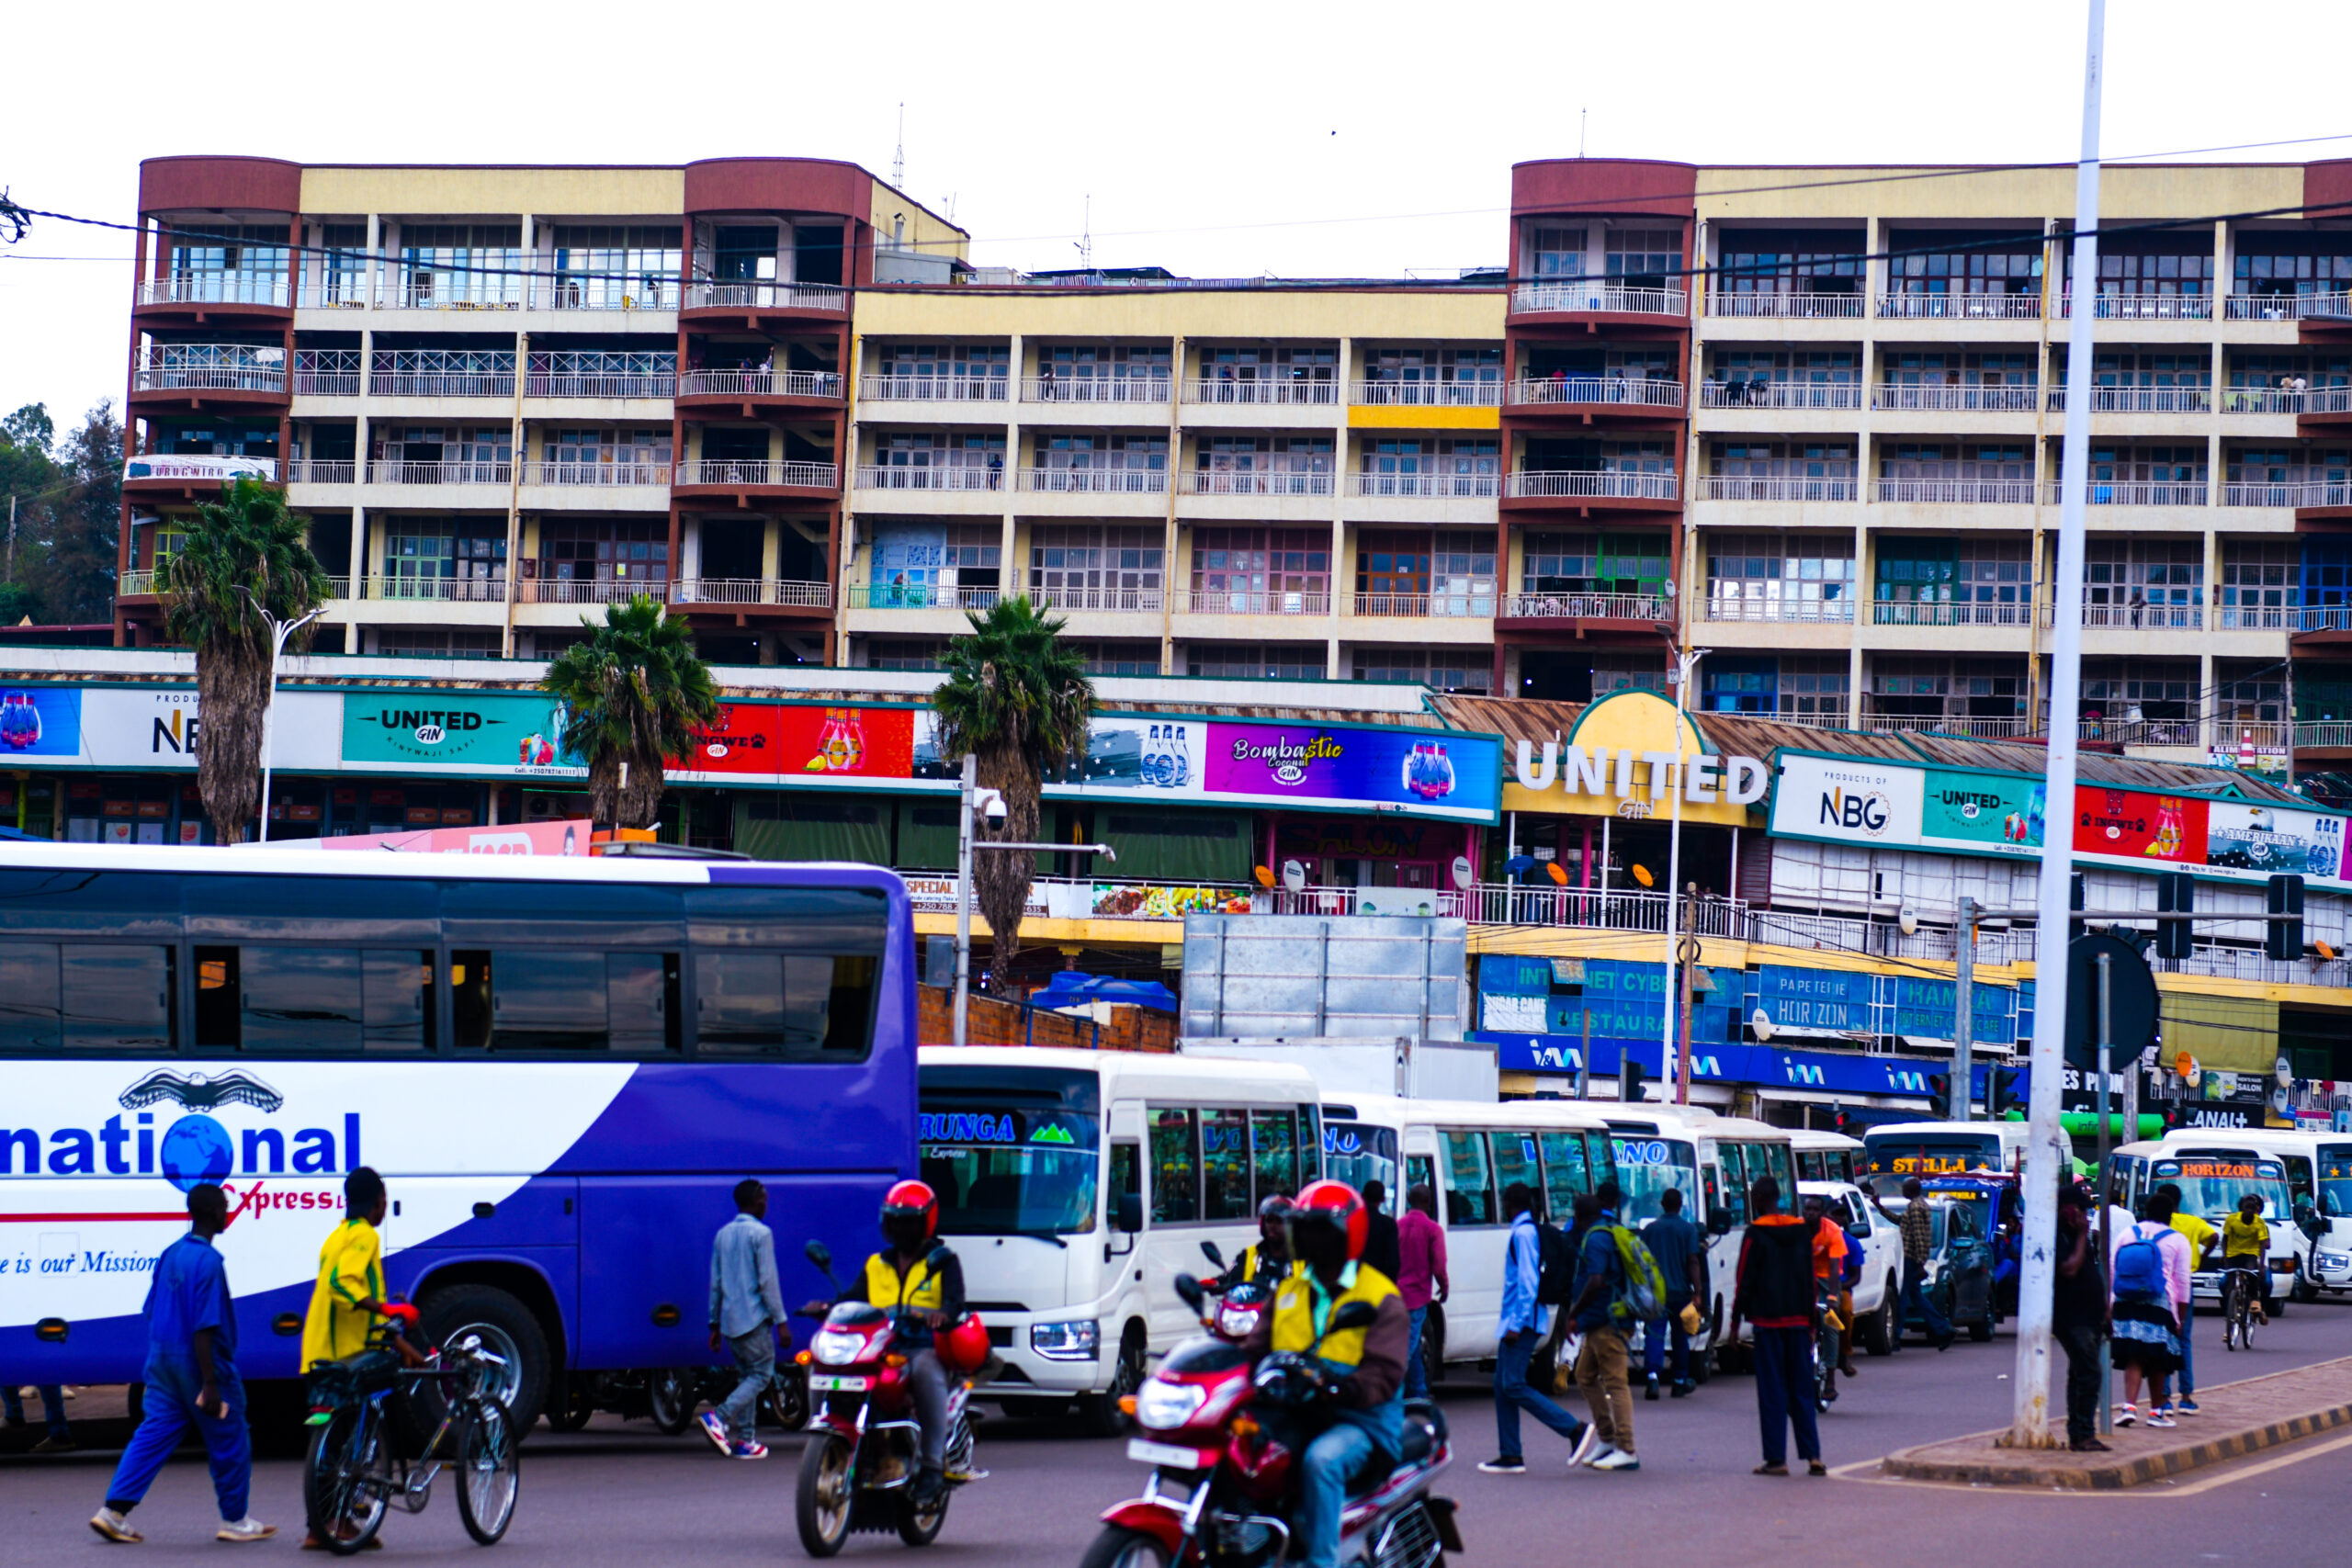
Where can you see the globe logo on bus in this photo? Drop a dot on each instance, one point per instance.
(196, 1149)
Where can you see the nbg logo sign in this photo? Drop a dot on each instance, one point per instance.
(1854, 811)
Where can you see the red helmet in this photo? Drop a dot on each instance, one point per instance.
(1336, 1205)
(909, 1204)
(964, 1346)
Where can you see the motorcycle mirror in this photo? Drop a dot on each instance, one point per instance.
(1190, 1289)
(816, 1252)
(1130, 1215)
(1209, 1251)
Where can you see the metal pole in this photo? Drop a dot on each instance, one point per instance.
(1688, 959)
(1667, 1066)
(1584, 1060)
(964, 895)
(2099, 1102)
(279, 632)
(2046, 1145)
(1963, 1023)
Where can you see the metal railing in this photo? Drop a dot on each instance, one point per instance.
(1714, 394)
(635, 292)
(2303, 492)
(1722, 606)
(2323, 732)
(2281, 400)
(136, 582)
(1961, 307)
(759, 384)
(1428, 394)
(1949, 724)
(2141, 399)
(1907, 397)
(2287, 307)
(1423, 606)
(328, 372)
(2145, 307)
(322, 471)
(2134, 493)
(934, 388)
(1541, 904)
(586, 589)
(1257, 481)
(1527, 606)
(1425, 486)
(896, 475)
(450, 590)
(2325, 618)
(1095, 598)
(1536, 390)
(2230, 734)
(216, 288)
(2257, 617)
(334, 292)
(763, 294)
(1096, 390)
(1274, 389)
(1945, 612)
(181, 466)
(441, 384)
(1956, 492)
(489, 292)
(1785, 307)
(1601, 484)
(1095, 481)
(619, 385)
(1774, 487)
(1536, 298)
(208, 370)
(2149, 617)
(920, 596)
(597, 475)
(758, 472)
(2142, 731)
(406, 473)
(752, 590)
(1257, 601)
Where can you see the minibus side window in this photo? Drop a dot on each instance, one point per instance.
(1225, 1164)
(1126, 1177)
(1273, 1137)
(1809, 1166)
(1772, 1159)
(1733, 1196)
(1421, 1171)
(1564, 1173)
(1600, 1160)
(1469, 1192)
(1515, 1160)
(1175, 1167)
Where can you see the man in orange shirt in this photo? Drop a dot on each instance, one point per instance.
(1828, 1274)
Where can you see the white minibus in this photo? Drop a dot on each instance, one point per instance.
(1939, 1148)
(2307, 1200)
(1823, 1156)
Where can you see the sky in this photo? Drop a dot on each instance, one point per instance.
(1214, 140)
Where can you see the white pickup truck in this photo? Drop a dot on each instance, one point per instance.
(1878, 1294)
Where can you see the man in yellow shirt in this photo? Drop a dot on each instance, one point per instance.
(2246, 1243)
(349, 1296)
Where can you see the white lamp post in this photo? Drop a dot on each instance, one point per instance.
(979, 802)
(279, 632)
(1686, 660)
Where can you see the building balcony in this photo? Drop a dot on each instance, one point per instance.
(1959, 306)
(136, 585)
(2134, 493)
(2141, 617)
(934, 388)
(1597, 299)
(1786, 307)
(604, 293)
(1257, 601)
(1720, 606)
(1273, 391)
(745, 593)
(194, 472)
(1093, 390)
(761, 384)
(322, 471)
(1585, 394)
(1774, 488)
(183, 375)
(2141, 399)
(920, 596)
(600, 476)
(766, 296)
(1114, 600)
(746, 474)
(204, 294)
(1427, 394)
(1423, 606)
(2279, 400)
(406, 473)
(477, 294)
(2325, 618)
(585, 589)
(613, 387)
(329, 372)
(1590, 484)
(1646, 609)
(1432, 487)
(2325, 735)
(1225, 482)
(2177, 732)
(2333, 308)
(2299, 493)
(1903, 398)
(1095, 481)
(434, 589)
(2145, 307)
(1955, 493)
(2257, 617)
(497, 384)
(896, 476)
(2016, 613)
(1816, 395)
(1879, 722)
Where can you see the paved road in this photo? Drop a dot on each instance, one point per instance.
(620, 1493)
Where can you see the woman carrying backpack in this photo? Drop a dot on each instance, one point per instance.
(2149, 1268)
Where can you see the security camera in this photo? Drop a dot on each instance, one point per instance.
(993, 810)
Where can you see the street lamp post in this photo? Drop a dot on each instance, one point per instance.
(1686, 660)
(977, 802)
(279, 632)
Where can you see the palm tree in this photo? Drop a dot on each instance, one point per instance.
(635, 692)
(244, 564)
(1019, 699)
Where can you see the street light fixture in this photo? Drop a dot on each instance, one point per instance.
(279, 632)
(985, 805)
(1686, 659)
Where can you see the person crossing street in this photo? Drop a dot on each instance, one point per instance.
(1681, 1248)
(746, 1316)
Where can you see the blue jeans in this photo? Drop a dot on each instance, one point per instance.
(1416, 1373)
(172, 1388)
(1512, 1395)
(52, 1407)
(755, 1363)
(1332, 1461)
(1916, 1299)
(1784, 1393)
(1654, 1337)
(2163, 1394)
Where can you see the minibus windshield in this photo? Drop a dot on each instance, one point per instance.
(1646, 1168)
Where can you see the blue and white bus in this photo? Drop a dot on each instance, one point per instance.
(562, 1067)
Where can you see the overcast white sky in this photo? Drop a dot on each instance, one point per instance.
(1214, 140)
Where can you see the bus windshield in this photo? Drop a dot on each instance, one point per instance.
(1931, 1154)
(1647, 1167)
(2335, 1180)
(1013, 1172)
(2210, 1186)
(1358, 1152)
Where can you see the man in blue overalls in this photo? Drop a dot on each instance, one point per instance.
(191, 1381)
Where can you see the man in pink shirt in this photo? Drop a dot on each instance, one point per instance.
(1420, 1279)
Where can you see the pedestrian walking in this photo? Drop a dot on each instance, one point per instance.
(1919, 1240)
(348, 1295)
(2204, 1238)
(1775, 1295)
(1420, 1279)
(59, 1437)
(2078, 1317)
(2149, 1266)
(1380, 1242)
(192, 1381)
(1520, 1329)
(1829, 1275)
(1681, 1248)
(1598, 1307)
(746, 1312)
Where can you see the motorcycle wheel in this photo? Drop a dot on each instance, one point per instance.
(787, 1402)
(828, 1493)
(669, 1398)
(1118, 1546)
(921, 1527)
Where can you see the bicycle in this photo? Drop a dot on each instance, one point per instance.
(354, 1471)
(2237, 1309)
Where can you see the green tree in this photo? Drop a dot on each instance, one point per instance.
(244, 555)
(28, 483)
(1017, 697)
(75, 577)
(635, 692)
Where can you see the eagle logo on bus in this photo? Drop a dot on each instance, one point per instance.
(196, 1091)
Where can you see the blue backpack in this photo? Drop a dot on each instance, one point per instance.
(2140, 1267)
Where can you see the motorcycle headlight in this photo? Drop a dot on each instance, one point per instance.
(1080, 1340)
(1163, 1406)
(1235, 1320)
(832, 1347)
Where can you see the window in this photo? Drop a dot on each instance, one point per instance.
(1733, 1197)
(810, 1006)
(1565, 1177)
(233, 264)
(1793, 262)
(1469, 1187)
(1225, 1164)
(313, 999)
(1175, 1167)
(2294, 263)
(2259, 584)
(1261, 571)
(1595, 563)
(1515, 1161)
(1780, 577)
(590, 549)
(1445, 668)
(1093, 566)
(1273, 1145)
(606, 267)
(944, 361)
(85, 996)
(1928, 262)
(474, 264)
(1559, 253)
(2183, 266)
(1645, 258)
(1268, 663)
(744, 253)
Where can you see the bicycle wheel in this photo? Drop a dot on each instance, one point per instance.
(347, 1479)
(488, 1472)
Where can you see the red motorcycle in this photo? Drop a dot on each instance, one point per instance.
(865, 1445)
(1223, 1438)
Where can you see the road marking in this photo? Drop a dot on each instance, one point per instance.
(1864, 1470)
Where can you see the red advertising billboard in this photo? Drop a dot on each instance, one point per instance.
(2168, 827)
(743, 739)
(844, 742)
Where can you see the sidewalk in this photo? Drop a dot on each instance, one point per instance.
(2235, 1419)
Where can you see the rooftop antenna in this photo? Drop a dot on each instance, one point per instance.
(899, 156)
(1580, 118)
(1085, 237)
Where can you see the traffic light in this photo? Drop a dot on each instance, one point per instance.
(2176, 895)
(2283, 939)
(1938, 1097)
(2074, 901)
(1629, 1079)
(2000, 1091)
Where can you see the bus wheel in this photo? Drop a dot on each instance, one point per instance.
(2304, 1291)
(489, 1318)
(1100, 1413)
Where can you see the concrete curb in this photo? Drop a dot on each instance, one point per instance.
(1973, 1461)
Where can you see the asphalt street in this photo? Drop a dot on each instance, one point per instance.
(621, 1493)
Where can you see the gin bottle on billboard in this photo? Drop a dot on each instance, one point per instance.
(1180, 760)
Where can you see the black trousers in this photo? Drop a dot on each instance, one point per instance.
(2083, 1379)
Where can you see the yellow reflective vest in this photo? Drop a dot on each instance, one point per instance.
(1303, 1309)
(919, 1288)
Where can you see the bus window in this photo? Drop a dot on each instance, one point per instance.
(1016, 1172)
(1600, 1160)
(1646, 1168)
(1772, 1160)
(1225, 1164)
(1175, 1169)
(2334, 1181)
(85, 997)
(1469, 1194)
(1126, 1177)
(812, 1006)
(1358, 1152)
(1421, 1171)
(1515, 1160)
(1564, 1179)
(1735, 1182)
(1273, 1145)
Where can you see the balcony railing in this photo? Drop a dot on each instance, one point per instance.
(441, 384)
(1274, 390)
(2303, 492)
(135, 582)
(1258, 602)
(759, 384)
(586, 589)
(894, 476)
(1425, 486)
(1541, 904)
(1419, 607)
(326, 380)
(1587, 607)
(1537, 298)
(1536, 390)
(1774, 487)
(1785, 307)
(1095, 481)
(2257, 617)
(2280, 399)
(1462, 394)
(763, 294)
(1722, 606)
(1714, 394)
(1952, 723)
(2139, 617)
(753, 473)
(2231, 734)
(1598, 484)
(322, 471)
(1961, 307)
(228, 372)
(596, 475)
(934, 388)
(2288, 307)
(1956, 492)
(181, 466)
(493, 293)
(405, 473)
(1113, 599)
(1096, 390)
(2325, 618)
(448, 589)
(617, 385)
(1257, 481)
(2142, 731)
(2134, 493)
(1944, 613)
(1904, 397)
(752, 590)
(2323, 732)
(604, 293)
(2145, 307)
(920, 596)
(216, 288)
(2141, 399)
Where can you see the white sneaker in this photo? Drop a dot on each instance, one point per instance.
(114, 1526)
(246, 1529)
(1588, 1443)
(2158, 1418)
(1616, 1459)
(2127, 1415)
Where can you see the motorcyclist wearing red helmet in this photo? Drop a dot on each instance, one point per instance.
(919, 1280)
(1328, 1223)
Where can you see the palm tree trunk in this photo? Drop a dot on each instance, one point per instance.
(231, 688)
(1000, 878)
